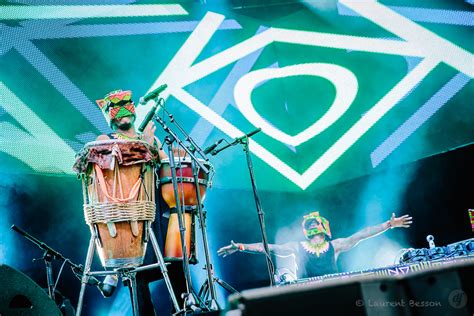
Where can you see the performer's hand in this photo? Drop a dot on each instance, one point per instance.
(149, 133)
(228, 250)
(402, 221)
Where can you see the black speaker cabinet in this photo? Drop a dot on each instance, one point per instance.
(443, 290)
(20, 295)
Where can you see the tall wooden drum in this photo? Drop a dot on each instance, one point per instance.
(173, 250)
(119, 200)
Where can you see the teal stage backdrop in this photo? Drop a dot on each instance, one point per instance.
(352, 97)
(339, 88)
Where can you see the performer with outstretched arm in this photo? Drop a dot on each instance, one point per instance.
(317, 254)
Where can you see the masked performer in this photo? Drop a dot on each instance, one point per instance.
(119, 110)
(317, 254)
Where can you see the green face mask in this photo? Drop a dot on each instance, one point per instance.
(117, 104)
(314, 224)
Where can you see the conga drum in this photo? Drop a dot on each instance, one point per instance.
(173, 250)
(119, 201)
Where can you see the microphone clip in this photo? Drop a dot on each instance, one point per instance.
(211, 148)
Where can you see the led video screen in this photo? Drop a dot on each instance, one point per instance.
(339, 89)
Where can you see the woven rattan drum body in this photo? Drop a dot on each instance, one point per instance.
(119, 201)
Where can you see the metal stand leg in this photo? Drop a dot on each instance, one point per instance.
(126, 274)
(261, 214)
(212, 303)
(85, 276)
(49, 275)
(225, 285)
(164, 270)
(190, 298)
(130, 276)
(204, 291)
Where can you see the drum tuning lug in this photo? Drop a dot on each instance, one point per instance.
(134, 227)
(113, 230)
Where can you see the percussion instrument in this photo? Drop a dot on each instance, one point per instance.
(188, 197)
(119, 201)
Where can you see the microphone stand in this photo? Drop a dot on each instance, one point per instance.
(191, 298)
(193, 147)
(244, 140)
(180, 142)
(209, 285)
(48, 256)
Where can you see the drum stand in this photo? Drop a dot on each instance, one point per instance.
(127, 274)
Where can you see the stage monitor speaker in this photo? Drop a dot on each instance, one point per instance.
(438, 291)
(20, 295)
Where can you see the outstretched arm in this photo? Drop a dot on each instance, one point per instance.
(344, 244)
(284, 249)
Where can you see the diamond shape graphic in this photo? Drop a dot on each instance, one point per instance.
(418, 42)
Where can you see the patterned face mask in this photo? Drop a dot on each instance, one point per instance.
(117, 104)
(314, 224)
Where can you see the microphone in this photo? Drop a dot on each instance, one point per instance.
(153, 94)
(248, 135)
(251, 133)
(212, 147)
(107, 288)
(236, 141)
(148, 117)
